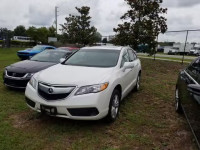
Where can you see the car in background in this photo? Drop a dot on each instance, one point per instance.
(173, 51)
(195, 50)
(160, 50)
(187, 96)
(27, 53)
(18, 74)
(88, 86)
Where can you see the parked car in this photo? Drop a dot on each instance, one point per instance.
(173, 51)
(160, 49)
(17, 75)
(27, 53)
(187, 96)
(88, 86)
(195, 50)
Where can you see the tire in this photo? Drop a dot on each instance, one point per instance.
(178, 106)
(113, 106)
(137, 86)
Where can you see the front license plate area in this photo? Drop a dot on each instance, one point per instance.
(48, 110)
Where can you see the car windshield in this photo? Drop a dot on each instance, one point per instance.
(50, 56)
(36, 48)
(94, 58)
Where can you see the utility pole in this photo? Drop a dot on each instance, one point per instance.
(56, 19)
(185, 46)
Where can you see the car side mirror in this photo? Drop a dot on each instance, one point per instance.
(128, 65)
(62, 60)
(194, 89)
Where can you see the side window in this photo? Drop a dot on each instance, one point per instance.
(194, 69)
(125, 58)
(49, 48)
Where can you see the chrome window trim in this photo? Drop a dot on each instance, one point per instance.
(191, 77)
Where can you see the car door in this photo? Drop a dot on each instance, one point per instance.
(190, 101)
(135, 70)
(128, 75)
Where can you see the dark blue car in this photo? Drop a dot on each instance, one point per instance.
(25, 54)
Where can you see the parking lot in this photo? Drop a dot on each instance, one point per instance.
(147, 118)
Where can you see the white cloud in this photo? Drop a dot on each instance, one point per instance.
(182, 14)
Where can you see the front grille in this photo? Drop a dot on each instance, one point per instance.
(83, 111)
(30, 102)
(49, 92)
(15, 83)
(14, 74)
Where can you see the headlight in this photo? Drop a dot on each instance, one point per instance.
(29, 75)
(33, 82)
(91, 89)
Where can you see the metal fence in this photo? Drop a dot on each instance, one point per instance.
(180, 36)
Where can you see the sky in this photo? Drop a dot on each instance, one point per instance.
(182, 14)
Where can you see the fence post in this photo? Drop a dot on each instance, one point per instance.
(185, 46)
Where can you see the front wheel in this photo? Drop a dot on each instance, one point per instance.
(113, 106)
(137, 86)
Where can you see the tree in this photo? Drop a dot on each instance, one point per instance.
(98, 37)
(105, 40)
(78, 29)
(52, 31)
(20, 31)
(6, 36)
(43, 33)
(142, 24)
(32, 32)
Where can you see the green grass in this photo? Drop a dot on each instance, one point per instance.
(147, 118)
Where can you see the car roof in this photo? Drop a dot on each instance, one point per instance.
(119, 48)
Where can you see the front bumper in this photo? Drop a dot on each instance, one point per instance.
(92, 106)
(16, 83)
(23, 55)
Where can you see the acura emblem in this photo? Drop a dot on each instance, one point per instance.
(50, 90)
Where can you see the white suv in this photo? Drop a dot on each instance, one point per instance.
(88, 86)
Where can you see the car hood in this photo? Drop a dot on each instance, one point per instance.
(28, 66)
(74, 75)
